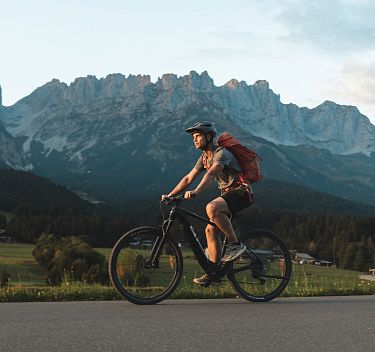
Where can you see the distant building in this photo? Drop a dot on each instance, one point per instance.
(304, 258)
(323, 262)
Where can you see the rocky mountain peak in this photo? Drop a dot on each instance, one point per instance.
(262, 84)
(232, 84)
(142, 80)
(255, 108)
(194, 81)
(114, 130)
(167, 81)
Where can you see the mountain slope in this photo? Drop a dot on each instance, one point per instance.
(122, 138)
(11, 155)
(26, 193)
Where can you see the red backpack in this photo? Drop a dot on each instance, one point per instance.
(247, 158)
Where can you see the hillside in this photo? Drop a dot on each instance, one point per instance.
(122, 138)
(273, 194)
(269, 194)
(26, 193)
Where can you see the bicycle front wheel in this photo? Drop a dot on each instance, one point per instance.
(264, 270)
(136, 277)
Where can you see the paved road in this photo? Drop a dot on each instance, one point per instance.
(292, 324)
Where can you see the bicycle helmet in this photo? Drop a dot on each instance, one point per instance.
(202, 127)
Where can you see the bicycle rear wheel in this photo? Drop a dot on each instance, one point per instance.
(264, 270)
(131, 271)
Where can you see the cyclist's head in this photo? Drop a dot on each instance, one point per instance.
(207, 129)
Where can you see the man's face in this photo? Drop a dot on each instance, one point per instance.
(199, 140)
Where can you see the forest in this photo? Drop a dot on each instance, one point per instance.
(39, 207)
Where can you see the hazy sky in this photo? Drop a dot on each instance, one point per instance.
(309, 51)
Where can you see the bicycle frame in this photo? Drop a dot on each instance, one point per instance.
(180, 213)
(189, 232)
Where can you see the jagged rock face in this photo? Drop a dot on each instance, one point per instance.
(339, 129)
(123, 136)
(111, 101)
(11, 155)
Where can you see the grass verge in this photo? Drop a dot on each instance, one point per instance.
(27, 283)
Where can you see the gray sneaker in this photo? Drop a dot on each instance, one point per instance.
(207, 280)
(233, 251)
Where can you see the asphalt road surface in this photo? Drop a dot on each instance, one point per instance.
(289, 324)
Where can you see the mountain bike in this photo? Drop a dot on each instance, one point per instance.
(146, 263)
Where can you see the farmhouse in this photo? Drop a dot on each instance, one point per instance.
(304, 258)
(323, 262)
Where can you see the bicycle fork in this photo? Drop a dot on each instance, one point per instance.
(153, 261)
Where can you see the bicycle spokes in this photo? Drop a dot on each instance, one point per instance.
(263, 271)
(138, 274)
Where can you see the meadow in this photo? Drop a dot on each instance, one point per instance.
(27, 282)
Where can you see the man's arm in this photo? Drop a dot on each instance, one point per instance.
(206, 180)
(185, 182)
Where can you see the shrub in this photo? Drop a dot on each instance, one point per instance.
(70, 258)
(5, 277)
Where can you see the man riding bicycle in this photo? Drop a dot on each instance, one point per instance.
(223, 167)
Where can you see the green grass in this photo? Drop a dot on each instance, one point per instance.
(18, 261)
(27, 282)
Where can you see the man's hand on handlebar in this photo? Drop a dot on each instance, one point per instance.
(163, 196)
(190, 194)
(187, 195)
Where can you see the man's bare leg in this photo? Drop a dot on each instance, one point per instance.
(213, 243)
(218, 212)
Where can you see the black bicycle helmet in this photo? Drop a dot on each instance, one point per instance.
(202, 127)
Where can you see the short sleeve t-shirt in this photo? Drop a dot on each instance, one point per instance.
(231, 167)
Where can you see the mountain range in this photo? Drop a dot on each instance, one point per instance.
(121, 138)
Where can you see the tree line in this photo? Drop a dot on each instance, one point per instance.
(346, 239)
(349, 240)
(38, 207)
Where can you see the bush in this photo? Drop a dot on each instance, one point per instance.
(5, 277)
(3, 221)
(70, 258)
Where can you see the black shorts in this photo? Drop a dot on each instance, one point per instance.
(237, 199)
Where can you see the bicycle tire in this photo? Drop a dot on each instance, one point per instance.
(263, 271)
(127, 263)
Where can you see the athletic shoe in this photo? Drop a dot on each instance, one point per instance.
(207, 280)
(232, 251)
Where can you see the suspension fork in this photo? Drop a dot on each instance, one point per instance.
(153, 261)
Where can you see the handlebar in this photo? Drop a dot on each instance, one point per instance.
(168, 200)
(172, 199)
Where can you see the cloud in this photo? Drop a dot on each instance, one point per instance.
(355, 85)
(337, 26)
(357, 81)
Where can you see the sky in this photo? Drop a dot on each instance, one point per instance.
(308, 51)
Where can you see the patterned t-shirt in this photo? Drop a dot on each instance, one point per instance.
(231, 166)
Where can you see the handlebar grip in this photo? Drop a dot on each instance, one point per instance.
(171, 199)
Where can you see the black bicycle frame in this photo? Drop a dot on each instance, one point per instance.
(196, 245)
(189, 233)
